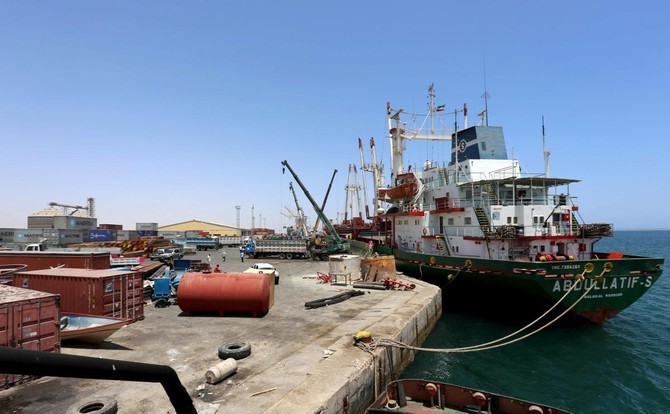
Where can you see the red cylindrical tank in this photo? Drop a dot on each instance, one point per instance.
(223, 293)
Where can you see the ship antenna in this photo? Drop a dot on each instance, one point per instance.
(545, 152)
(486, 97)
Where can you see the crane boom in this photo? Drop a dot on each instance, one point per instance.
(323, 205)
(338, 244)
(301, 213)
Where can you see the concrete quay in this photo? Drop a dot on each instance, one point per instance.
(302, 360)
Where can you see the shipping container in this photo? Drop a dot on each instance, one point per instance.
(28, 236)
(66, 237)
(110, 226)
(75, 223)
(47, 259)
(147, 233)
(172, 234)
(98, 235)
(7, 272)
(30, 320)
(146, 226)
(7, 235)
(116, 293)
(122, 235)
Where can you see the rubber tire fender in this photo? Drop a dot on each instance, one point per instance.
(235, 350)
(94, 406)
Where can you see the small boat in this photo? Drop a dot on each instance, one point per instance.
(420, 396)
(405, 188)
(92, 329)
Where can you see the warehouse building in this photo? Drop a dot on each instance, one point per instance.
(204, 227)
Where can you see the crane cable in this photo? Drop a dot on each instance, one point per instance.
(496, 343)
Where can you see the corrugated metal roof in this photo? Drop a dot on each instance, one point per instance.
(197, 223)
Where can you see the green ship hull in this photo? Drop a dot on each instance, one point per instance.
(499, 285)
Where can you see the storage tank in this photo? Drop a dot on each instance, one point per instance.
(344, 267)
(223, 293)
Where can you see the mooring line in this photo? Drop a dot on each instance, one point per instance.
(490, 345)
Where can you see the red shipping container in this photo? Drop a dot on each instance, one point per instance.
(47, 260)
(117, 293)
(28, 320)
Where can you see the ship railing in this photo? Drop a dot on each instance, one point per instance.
(459, 231)
(452, 203)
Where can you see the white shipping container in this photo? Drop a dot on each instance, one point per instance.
(122, 235)
(7, 235)
(66, 237)
(146, 226)
(28, 236)
(171, 234)
(76, 223)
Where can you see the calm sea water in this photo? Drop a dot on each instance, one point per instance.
(622, 366)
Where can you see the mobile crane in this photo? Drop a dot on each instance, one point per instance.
(336, 245)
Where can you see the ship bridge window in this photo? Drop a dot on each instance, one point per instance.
(468, 220)
(450, 221)
(509, 220)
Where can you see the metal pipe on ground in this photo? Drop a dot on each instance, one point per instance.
(370, 285)
(26, 362)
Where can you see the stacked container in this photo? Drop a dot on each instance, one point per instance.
(28, 320)
(46, 260)
(108, 292)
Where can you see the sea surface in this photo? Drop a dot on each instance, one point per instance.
(622, 366)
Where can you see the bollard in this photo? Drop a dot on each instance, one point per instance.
(220, 371)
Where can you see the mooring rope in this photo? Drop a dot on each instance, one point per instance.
(492, 344)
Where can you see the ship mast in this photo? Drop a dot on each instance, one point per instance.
(395, 139)
(377, 174)
(365, 187)
(545, 152)
(397, 133)
(431, 105)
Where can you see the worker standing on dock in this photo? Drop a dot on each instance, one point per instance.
(242, 256)
(209, 259)
(223, 255)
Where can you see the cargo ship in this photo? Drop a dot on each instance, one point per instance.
(498, 239)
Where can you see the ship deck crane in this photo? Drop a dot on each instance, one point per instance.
(337, 244)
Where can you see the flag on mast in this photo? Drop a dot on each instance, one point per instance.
(440, 108)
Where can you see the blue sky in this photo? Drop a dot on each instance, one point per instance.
(170, 111)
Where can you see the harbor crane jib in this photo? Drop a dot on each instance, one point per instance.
(337, 244)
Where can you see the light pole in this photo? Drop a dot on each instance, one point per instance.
(237, 217)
